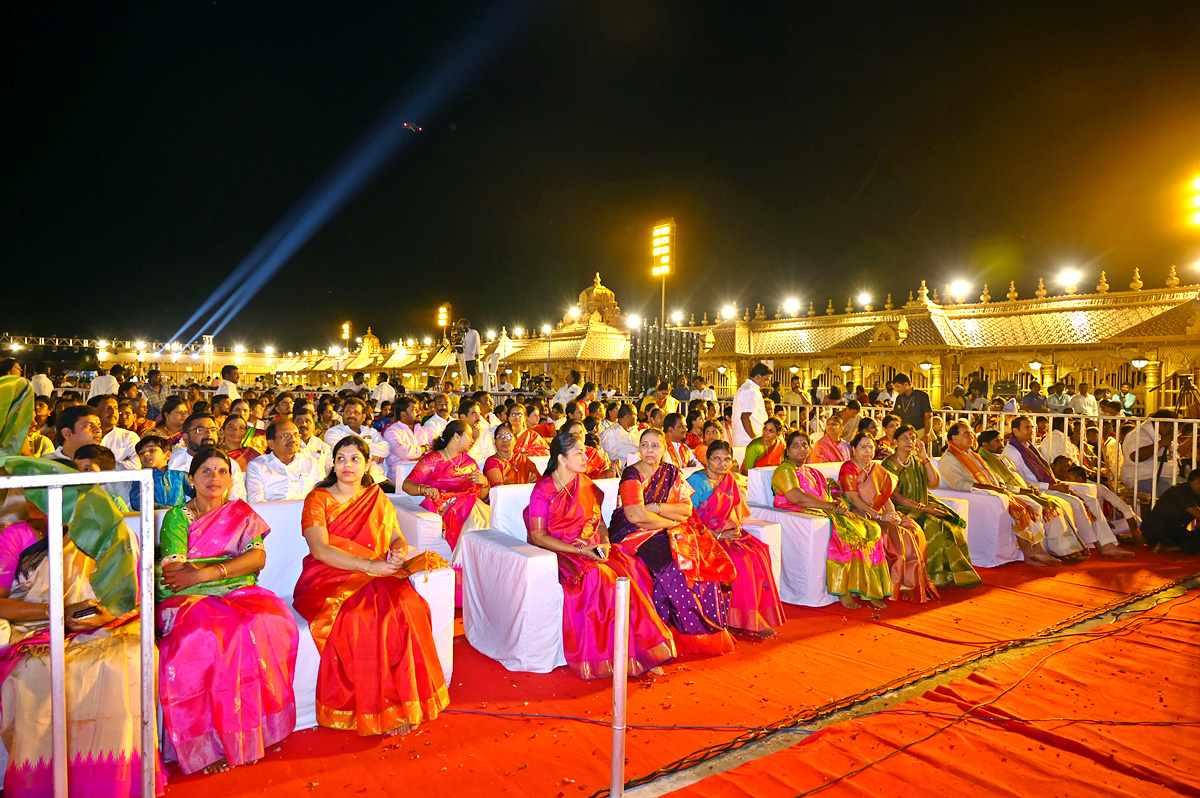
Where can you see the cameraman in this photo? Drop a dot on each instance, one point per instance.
(470, 349)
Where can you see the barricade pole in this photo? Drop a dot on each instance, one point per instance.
(620, 672)
(146, 617)
(58, 652)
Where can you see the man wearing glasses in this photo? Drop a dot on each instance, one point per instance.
(200, 429)
(285, 472)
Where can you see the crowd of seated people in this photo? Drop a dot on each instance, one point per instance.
(701, 578)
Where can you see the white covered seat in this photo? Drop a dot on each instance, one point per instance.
(286, 548)
(801, 548)
(512, 601)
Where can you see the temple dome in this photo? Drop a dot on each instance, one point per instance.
(597, 298)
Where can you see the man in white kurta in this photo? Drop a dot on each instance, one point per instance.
(286, 471)
(353, 415)
(749, 410)
(200, 431)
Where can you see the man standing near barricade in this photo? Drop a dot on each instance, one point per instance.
(912, 405)
(470, 351)
(749, 409)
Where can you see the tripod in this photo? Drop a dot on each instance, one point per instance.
(1187, 398)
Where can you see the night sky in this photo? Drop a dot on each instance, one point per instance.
(808, 151)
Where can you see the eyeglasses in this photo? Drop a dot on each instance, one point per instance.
(504, 437)
(205, 430)
(286, 436)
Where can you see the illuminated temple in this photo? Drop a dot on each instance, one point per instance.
(1141, 334)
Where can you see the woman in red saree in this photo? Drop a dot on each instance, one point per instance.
(564, 517)
(227, 648)
(379, 671)
(506, 466)
(691, 572)
(695, 427)
(720, 502)
(525, 441)
(868, 486)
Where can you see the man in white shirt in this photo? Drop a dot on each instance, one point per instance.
(356, 385)
(407, 440)
(1148, 448)
(1083, 403)
(506, 386)
(701, 391)
(200, 430)
(1057, 400)
(108, 383)
(620, 441)
(285, 471)
(795, 396)
(384, 392)
(441, 415)
(313, 446)
(229, 383)
(749, 410)
(120, 441)
(354, 412)
(470, 350)
(568, 392)
(1055, 442)
(888, 394)
(41, 384)
(678, 452)
(484, 445)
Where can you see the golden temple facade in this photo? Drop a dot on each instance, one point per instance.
(1141, 336)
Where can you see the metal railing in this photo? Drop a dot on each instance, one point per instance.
(54, 483)
(1181, 433)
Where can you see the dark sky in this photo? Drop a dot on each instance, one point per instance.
(804, 150)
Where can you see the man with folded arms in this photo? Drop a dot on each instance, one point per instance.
(285, 471)
(962, 469)
(1025, 459)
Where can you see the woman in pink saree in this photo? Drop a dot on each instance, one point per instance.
(720, 502)
(829, 447)
(869, 487)
(452, 485)
(564, 517)
(228, 647)
(691, 572)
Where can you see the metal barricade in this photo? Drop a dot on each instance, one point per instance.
(54, 483)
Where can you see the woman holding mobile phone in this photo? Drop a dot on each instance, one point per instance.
(564, 517)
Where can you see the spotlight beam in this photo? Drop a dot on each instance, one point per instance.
(434, 90)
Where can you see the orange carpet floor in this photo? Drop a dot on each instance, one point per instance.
(1113, 713)
(819, 656)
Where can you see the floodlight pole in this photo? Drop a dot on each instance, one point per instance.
(662, 313)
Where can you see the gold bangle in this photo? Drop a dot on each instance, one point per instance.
(224, 571)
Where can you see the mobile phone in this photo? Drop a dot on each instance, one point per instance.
(86, 612)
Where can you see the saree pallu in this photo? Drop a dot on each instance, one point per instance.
(516, 470)
(228, 648)
(760, 456)
(103, 687)
(597, 462)
(379, 667)
(589, 587)
(687, 565)
(754, 603)
(948, 559)
(903, 541)
(243, 456)
(855, 561)
(1062, 539)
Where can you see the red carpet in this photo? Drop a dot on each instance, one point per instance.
(1142, 669)
(819, 656)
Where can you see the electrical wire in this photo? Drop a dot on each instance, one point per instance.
(805, 717)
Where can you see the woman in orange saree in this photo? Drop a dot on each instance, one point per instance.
(563, 516)
(596, 462)
(525, 441)
(379, 671)
(868, 486)
(506, 466)
(720, 502)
